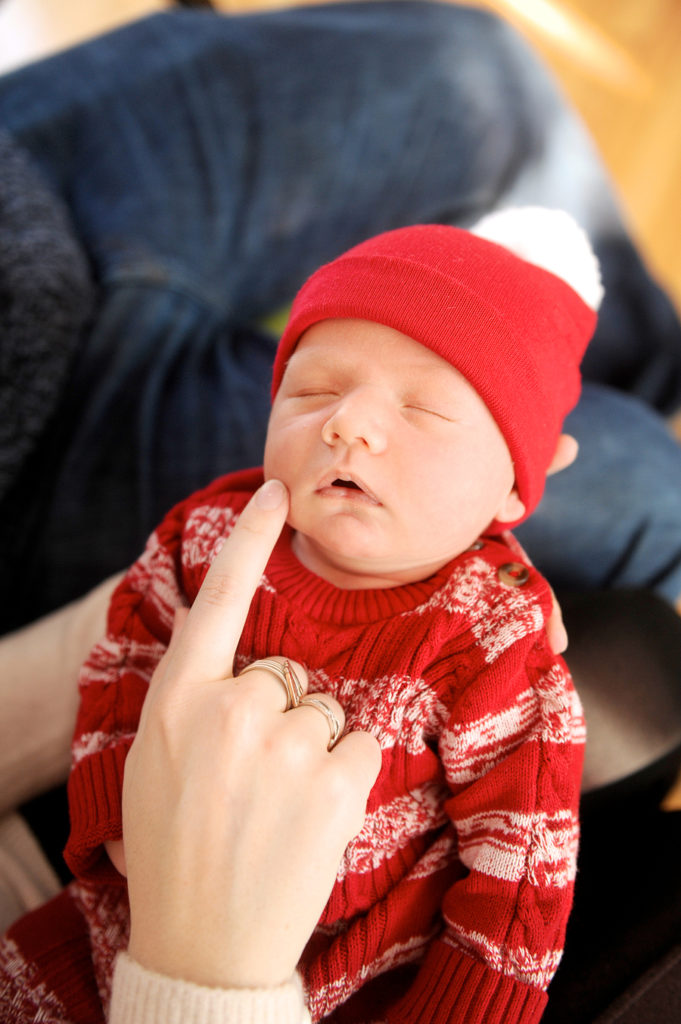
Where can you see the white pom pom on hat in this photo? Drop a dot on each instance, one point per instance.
(509, 321)
(551, 239)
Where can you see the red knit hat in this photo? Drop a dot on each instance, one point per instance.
(516, 330)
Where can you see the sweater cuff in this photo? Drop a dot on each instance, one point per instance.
(95, 790)
(451, 985)
(140, 996)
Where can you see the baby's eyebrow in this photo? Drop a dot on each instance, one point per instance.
(301, 356)
(327, 364)
(418, 375)
(429, 382)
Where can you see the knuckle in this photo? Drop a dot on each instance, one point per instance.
(239, 712)
(250, 527)
(349, 809)
(291, 752)
(164, 707)
(337, 790)
(219, 588)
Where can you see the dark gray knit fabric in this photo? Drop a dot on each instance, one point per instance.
(46, 297)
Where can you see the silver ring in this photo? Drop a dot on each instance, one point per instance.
(321, 705)
(294, 687)
(285, 674)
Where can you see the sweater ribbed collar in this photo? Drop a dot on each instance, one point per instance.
(323, 601)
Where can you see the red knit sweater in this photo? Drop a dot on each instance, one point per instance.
(451, 904)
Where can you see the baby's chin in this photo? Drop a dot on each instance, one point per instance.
(361, 572)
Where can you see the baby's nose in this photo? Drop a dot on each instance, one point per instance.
(358, 418)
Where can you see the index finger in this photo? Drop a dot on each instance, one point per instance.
(206, 646)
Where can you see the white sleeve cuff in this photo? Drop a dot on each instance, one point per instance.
(140, 996)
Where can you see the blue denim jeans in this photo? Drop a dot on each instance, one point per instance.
(208, 164)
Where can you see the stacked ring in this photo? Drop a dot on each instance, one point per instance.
(321, 705)
(285, 674)
(294, 693)
(294, 687)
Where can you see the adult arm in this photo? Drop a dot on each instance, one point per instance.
(217, 927)
(224, 891)
(39, 667)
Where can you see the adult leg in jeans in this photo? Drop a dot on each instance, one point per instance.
(625, 489)
(208, 164)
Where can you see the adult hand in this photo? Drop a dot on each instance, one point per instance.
(567, 450)
(235, 816)
(555, 628)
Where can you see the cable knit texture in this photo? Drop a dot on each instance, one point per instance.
(451, 904)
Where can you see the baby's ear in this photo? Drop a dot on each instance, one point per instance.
(511, 509)
(564, 455)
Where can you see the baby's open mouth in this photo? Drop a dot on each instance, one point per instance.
(338, 482)
(341, 483)
(351, 487)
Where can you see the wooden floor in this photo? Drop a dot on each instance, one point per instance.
(619, 61)
(621, 64)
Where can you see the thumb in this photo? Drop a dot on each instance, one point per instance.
(179, 620)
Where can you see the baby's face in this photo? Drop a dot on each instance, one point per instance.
(393, 462)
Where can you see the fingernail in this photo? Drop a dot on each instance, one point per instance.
(270, 495)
